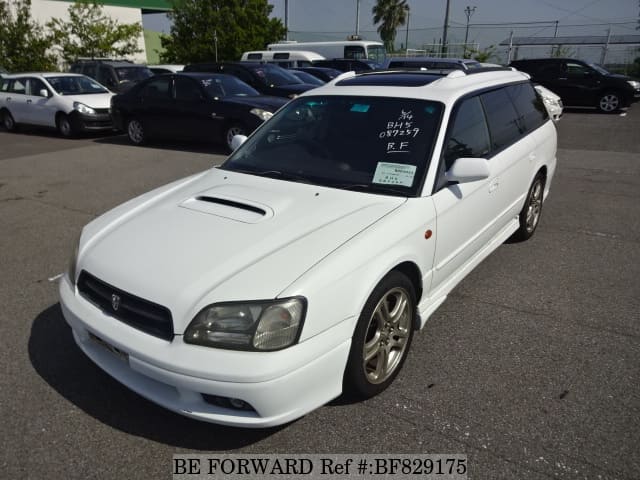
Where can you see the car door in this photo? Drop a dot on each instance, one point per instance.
(463, 210)
(40, 109)
(582, 83)
(16, 99)
(156, 108)
(194, 109)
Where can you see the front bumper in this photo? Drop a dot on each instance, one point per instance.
(91, 123)
(280, 386)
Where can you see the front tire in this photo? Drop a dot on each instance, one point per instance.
(609, 102)
(530, 214)
(65, 126)
(382, 337)
(231, 131)
(135, 132)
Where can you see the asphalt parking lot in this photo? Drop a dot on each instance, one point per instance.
(531, 367)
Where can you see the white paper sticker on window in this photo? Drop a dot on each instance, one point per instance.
(394, 174)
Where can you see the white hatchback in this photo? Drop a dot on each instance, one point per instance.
(69, 102)
(253, 293)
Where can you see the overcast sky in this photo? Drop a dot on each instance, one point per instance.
(335, 19)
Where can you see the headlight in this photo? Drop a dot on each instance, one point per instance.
(633, 83)
(262, 114)
(82, 108)
(74, 260)
(262, 325)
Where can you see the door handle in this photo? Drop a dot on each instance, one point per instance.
(8, 99)
(29, 101)
(494, 185)
(532, 157)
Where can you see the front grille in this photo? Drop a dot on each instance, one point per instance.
(137, 312)
(101, 111)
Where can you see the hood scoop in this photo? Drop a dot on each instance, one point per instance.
(233, 208)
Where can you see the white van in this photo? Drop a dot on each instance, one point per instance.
(356, 49)
(283, 58)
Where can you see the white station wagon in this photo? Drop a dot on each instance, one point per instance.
(253, 293)
(69, 102)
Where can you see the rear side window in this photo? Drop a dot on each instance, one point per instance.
(531, 110)
(19, 86)
(354, 51)
(502, 118)
(469, 135)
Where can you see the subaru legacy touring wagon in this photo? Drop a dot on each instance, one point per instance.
(255, 292)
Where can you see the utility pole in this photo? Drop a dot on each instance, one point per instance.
(357, 17)
(468, 12)
(444, 32)
(603, 57)
(286, 18)
(406, 38)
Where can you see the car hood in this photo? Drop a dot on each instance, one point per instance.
(261, 101)
(225, 236)
(294, 88)
(93, 100)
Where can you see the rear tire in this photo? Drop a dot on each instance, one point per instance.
(8, 122)
(532, 210)
(382, 337)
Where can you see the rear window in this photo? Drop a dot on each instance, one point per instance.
(502, 118)
(531, 110)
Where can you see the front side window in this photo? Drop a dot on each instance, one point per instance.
(373, 144)
(35, 86)
(220, 86)
(133, 74)
(502, 118)
(377, 53)
(469, 135)
(577, 70)
(158, 88)
(187, 90)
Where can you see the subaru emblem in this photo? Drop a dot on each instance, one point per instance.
(115, 301)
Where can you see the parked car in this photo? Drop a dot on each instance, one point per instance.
(158, 69)
(117, 75)
(69, 102)
(282, 58)
(324, 74)
(266, 78)
(253, 293)
(191, 105)
(582, 84)
(348, 64)
(552, 102)
(430, 63)
(307, 77)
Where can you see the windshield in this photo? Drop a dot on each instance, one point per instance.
(599, 69)
(377, 53)
(372, 144)
(227, 86)
(307, 78)
(275, 76)
(133, 74)
(80, 85)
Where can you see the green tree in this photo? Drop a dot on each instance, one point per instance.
(91, 33)
(484, 55)
(223, 29)
(391, 15)
(23, 45)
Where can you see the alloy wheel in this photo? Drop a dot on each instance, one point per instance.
(535, 206)
(609, 102)
(135, 131)
(387, 335)
(232, 132)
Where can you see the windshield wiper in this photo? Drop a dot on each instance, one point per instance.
(275, 174)
(366, 187)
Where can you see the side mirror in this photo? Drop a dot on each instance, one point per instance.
(237, 140)
(467, 169)
(44, 93)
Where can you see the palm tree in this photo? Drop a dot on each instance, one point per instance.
(390, 14)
